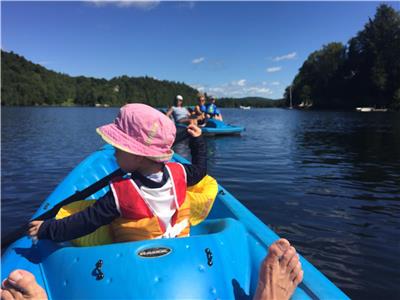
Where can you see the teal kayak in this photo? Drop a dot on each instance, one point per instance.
(220, 260)
(216, 127)
(213, 127)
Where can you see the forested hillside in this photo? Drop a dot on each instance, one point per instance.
(26, 83)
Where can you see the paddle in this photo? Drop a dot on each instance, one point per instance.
(78, 195)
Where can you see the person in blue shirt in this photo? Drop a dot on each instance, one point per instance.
(212, 110)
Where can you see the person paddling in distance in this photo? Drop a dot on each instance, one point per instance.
(200, 110)
(150, 201)
(212, 110)
(179, 112)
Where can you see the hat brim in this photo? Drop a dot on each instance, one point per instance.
(114, 136)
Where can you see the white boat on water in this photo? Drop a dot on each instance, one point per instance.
(370, 109)
(305, 104)
(244, 107)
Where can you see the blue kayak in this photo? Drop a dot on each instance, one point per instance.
(216, 127)
(220, 260)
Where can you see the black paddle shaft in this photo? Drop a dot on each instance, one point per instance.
(98, 185)
(78, 195)
(181, 135)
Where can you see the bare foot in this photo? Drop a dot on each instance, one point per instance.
(21, 285)
(280, 273)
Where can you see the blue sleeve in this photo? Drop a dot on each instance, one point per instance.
(102, 212)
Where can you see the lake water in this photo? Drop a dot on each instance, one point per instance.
(327, 181)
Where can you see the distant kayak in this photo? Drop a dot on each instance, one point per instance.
(220, 259)
(213, 127)
(216, 127)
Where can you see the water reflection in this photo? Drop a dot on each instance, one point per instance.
(353, 161)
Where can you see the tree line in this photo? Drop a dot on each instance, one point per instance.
(26, 83)
(364, 72)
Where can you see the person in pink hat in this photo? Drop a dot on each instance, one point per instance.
(150, 201)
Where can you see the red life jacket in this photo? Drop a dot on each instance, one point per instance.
(138, 221)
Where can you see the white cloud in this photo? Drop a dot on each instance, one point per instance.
(274, 69)
(257, 90)
(198, 60)
(199, 87)
(286, 56)
(209, 63)
(216, 90)
(140, 4)
(237, 89)
(241, 82)
(275, 83)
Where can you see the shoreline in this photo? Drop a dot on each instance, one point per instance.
(389, 110)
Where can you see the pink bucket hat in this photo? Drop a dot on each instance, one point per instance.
(141, 130)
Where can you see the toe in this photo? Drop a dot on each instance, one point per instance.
(26, 277)
(22, 284)
(14, 277)
(271, 261)
(296, 271)
(293, 263)
(283, 244)
(299, 278)
(10, 291)
(27, 284)
(274, 252)
(6, 295)
(287, 257)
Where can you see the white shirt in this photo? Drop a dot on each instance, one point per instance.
(179, 113)
(163, 204)
(160, 201)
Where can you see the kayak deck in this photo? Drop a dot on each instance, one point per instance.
(70, 272)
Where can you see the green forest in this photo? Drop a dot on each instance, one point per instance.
(26, 83)
(365, 72)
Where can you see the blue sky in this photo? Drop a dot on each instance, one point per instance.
(224, 48)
